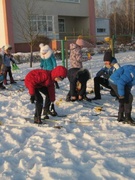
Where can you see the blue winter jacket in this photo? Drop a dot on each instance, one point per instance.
(106, 72)
(124, 76)
(49, 63)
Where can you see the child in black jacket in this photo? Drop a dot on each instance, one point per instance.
(78, 78)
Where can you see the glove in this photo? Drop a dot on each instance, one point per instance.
(32, 99)
(121, 99)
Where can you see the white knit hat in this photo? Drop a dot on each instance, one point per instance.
(45, 51)
(7, 46)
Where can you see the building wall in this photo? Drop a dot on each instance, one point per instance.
(77, 17)
(2, 28)
(102, 24)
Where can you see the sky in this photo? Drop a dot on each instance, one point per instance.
(91, 145)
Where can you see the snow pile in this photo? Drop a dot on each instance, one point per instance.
(87, 147)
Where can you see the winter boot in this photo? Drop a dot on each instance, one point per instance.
(5, 82)
(1, 86)
(12, 81)
(45, 113)
(68, 98)
(128, 119)
(86, 98)
(56, 85)
(120, 117)
(52, 111)
(37, 120)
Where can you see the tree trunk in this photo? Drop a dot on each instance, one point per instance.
(31, 56)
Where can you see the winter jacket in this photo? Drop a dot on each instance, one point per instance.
(48, 63)
(7, 59)
(38, 78)
(77, 74)
(107, 72)
(76, 58)
(124, 76)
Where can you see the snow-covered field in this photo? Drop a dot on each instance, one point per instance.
(89, 148)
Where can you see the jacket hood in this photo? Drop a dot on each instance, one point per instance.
(45, 51)
(83, 75)
(59, 71)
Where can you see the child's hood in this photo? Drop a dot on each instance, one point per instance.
(45, 51)
(59, 71)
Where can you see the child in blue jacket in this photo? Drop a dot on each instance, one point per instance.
(122, 81)
(102, 76)
(7, 59)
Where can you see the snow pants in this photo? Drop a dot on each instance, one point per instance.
(126, 104)
(39, 100)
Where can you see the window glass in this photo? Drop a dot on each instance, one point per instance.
(61, 25)
(41, 23)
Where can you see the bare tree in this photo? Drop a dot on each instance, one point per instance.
(26, 26)
(121, 14)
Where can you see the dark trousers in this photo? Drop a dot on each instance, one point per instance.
(126, 104)
(100, 81)
(74, 92)
(8, 71)
(39, 100)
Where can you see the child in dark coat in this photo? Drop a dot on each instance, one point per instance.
(41, 81)
(78, 78)
(122, 81)
(104, 73)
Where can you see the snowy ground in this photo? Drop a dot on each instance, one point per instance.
(89, 148)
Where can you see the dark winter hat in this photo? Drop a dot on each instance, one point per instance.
(108, 56)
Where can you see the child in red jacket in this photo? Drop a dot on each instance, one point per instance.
(42, 81)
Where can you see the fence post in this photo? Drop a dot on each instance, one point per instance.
(112, 45)
(62, 53)
(66, 52)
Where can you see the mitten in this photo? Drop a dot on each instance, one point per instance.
(32, 99)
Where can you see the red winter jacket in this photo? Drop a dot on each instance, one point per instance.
(38, 78)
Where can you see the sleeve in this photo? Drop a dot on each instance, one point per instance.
(54, 61)
(12, 59)
(124, 79)
(101, 72)
(41, 63)
(31, 89)
(79, 57)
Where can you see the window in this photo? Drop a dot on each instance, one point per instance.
(101, 30)
(61, 25)
(71, 1)
(41, 23)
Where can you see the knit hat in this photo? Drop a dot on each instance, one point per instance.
(108, 56)
(80, 41)
(45, 51)
(7, 46)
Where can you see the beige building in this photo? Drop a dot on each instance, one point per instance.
(21, 20)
